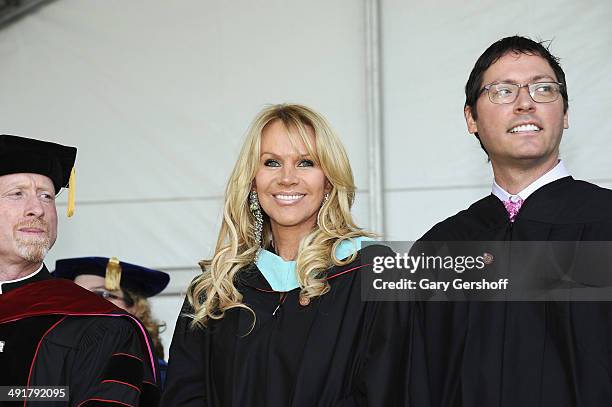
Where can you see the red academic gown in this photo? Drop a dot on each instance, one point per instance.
(56, 333)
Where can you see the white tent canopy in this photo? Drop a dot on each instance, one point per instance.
(157, 96)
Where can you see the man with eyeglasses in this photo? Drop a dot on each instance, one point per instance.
(59, 343)
(522, 353)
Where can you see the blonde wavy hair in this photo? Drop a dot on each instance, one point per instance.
(214, 292)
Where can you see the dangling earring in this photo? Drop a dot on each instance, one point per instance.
(325, 198)
(256, 211)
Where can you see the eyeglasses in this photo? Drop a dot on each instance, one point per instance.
(108, 296)
(541, 92)
(127, 299)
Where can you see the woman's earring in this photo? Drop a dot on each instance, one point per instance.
(256, 211)
(325, 198)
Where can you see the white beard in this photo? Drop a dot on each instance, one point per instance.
(33, 250)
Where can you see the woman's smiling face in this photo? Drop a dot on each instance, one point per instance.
(289, 184)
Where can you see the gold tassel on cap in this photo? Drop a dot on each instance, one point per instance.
(113, 274)
(71, 187)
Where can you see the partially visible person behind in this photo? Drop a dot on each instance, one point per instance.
(126, 285)
(276, 318)
(523, 353)
(53, 332)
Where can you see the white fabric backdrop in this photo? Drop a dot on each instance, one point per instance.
(158, 95)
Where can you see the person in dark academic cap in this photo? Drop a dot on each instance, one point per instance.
(522, 353)
(126, 285)
(53, 332)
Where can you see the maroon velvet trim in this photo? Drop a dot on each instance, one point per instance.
(48, 297)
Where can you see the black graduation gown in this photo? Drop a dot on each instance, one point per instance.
(524, 354)
(56, 333)
(336, 351)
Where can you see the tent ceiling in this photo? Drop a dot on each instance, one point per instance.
(10, 10)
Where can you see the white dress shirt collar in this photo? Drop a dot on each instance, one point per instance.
(22, 278)
(559, 171)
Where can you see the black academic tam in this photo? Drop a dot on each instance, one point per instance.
(26, 155)
(524, 353)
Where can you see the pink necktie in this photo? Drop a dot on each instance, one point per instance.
(513, 208)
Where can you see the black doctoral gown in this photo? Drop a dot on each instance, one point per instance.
(56, 333)
(336, 351)
(508, 354)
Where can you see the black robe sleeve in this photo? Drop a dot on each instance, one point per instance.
(392, 372)
(185, 378)
(103, 361)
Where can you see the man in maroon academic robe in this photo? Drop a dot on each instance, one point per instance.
(52, 332)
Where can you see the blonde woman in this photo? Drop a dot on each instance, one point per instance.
(276, 317)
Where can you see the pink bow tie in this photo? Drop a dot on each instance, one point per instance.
(513, 208)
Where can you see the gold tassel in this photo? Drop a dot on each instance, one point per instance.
(112, 280)
(71, 187)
